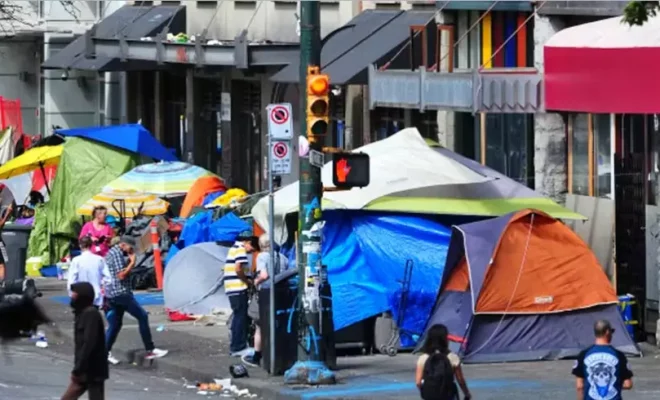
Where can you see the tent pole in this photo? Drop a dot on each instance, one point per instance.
(43, 173)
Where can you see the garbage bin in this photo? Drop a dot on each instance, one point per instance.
(286, 325)
(16, 239)
(629, 310)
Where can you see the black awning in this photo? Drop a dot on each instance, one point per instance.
(371, 37)
(134, 22)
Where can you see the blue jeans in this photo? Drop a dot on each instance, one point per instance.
(239, 321)
(115, 316)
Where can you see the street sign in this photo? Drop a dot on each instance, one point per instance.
(281, 157)
(316, 158)
(280, 122)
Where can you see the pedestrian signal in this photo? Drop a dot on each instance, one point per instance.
(318, 103)
(350, 170)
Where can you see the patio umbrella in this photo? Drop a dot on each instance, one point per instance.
(162, 179)
(132, 137)
(35, 158)
(127, 202)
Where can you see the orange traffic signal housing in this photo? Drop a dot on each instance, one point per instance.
(318, 102)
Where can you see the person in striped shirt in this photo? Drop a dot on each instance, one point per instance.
(237, 281)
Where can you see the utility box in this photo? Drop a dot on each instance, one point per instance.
(287, 318)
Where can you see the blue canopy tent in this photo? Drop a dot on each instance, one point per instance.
(131, 137)
(366, 270)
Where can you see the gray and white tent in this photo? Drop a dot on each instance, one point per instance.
(193, 280)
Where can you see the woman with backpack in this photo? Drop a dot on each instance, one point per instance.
(438, 367)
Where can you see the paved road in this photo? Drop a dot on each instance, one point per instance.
(199, 352)
(33, 374)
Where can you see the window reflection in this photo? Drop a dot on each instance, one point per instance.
(603, 160)
(580, 154)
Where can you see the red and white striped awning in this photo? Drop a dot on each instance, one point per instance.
(604, 67)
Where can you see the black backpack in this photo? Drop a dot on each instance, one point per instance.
(438, 379)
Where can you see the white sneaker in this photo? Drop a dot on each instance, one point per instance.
(245, 352)
(156, 353)
(112, 360)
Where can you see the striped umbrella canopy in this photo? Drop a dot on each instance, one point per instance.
(130, 203)
(162, 179)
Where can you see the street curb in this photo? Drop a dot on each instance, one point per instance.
(263, 388)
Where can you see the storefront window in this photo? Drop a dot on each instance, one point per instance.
(509, 138)
(580, 154)
(590, 166)
(603, 160)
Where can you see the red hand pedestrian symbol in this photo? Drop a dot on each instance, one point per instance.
(342, 170)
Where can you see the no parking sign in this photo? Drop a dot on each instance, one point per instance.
(280, 124)
(281, 157)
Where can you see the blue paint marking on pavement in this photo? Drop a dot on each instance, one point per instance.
(150, 299)
(145, 299)
(355, 389)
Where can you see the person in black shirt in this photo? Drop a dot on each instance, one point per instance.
(602, 371)
(90, 370)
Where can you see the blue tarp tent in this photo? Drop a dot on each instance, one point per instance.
(201, 228)
(131, 137)
(366, 254)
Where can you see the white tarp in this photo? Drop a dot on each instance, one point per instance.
(402, 162)
(193, 280)
(20, 187)
(7, 146)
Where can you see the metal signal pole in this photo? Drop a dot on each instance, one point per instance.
(315, 328)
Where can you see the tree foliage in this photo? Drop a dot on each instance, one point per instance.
(16, 15)
(638, 12)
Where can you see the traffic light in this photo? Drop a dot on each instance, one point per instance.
(318, 103)
(350, 170)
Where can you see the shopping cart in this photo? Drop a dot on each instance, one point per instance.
(392, 346)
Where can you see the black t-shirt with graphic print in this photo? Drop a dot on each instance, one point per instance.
(603, 369)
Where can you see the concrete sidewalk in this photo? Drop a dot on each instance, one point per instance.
(200, 353)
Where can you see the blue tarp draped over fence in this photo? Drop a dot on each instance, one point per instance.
(366, 254)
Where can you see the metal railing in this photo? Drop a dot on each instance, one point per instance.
(503, 90)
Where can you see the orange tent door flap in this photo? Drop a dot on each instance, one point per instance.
(556, 272)
(459, 280)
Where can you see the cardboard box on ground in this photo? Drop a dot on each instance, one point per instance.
(144, 244)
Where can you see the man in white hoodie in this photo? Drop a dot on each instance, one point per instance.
(89, 267)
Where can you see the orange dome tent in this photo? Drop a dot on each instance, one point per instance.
(202, 188)
(523, 287)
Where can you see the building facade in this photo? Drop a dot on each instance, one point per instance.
(35, 31)
(588, 141)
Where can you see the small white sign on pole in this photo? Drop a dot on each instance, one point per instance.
(280, 121)
(316, 158)
(281, 157)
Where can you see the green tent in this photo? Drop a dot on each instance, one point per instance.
(85, 167)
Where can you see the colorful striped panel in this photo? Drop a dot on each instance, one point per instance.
(510, 46)
(521, 39)
(498, 39)
(487, 41)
